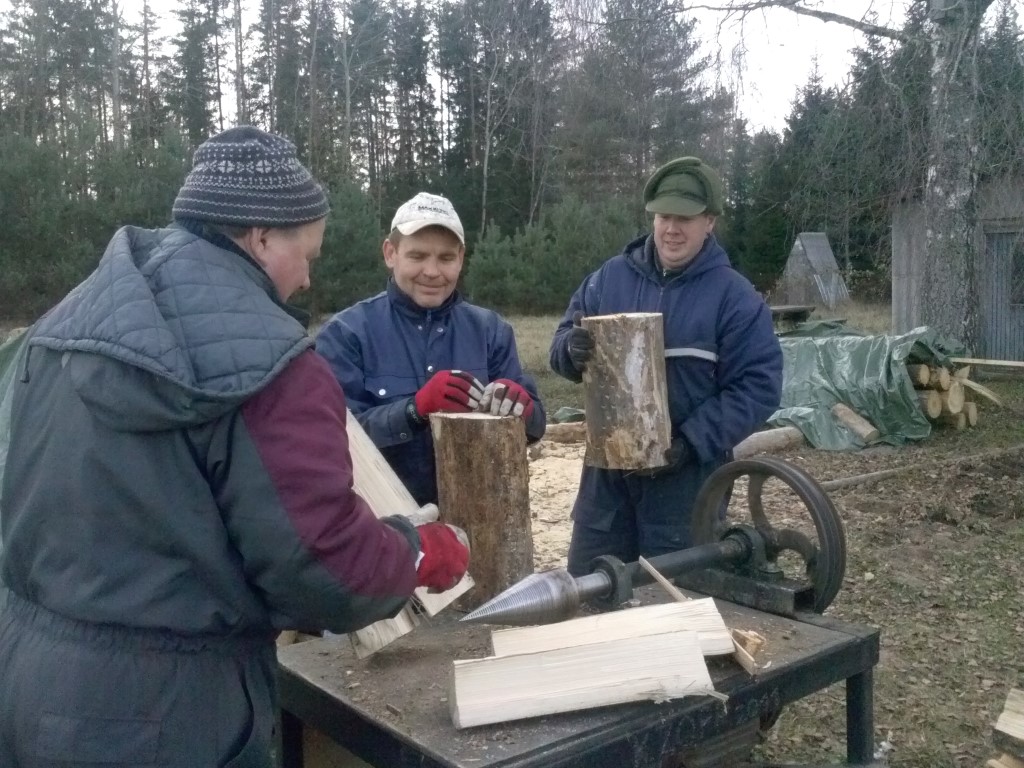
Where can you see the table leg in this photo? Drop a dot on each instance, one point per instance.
(291, 740)
(860, 725)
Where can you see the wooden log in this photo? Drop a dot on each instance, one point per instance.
(1008, 734)
(501, 688)
(628, 424)
(984, 361)
(573, 432)
(940, 378)
(483, 485)
(971, 412)
(385, 494)
(963, 372)
(931, 403)
(778, 439)
(700, 616)
(953, 398)
(1005, 761)
(984, 391)
(856, 423)
(919, 374)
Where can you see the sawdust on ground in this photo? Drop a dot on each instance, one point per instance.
(554, 477)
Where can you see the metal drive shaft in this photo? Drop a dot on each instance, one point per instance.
(543, 598)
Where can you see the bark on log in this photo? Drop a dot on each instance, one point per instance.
(953, 398)
(483, 483)
(931, 403)
(769, 440)
(628, 424)
(860, 426)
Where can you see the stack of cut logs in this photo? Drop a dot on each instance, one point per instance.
(945, 395)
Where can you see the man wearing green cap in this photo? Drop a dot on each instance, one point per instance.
(723, 365)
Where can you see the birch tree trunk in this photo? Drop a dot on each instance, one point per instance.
(949, 288)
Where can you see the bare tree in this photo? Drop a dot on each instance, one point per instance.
(949, 300)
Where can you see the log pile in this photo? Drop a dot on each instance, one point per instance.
(948, 396)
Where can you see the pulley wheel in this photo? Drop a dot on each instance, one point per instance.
(823, 553)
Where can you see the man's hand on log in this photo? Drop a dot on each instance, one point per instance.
(504, 397)
(677, 455)
(581, 343)
(443, 557)
(456, 391)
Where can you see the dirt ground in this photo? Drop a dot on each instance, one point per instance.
(933, 561)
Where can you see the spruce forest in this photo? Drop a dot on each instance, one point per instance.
(540, 119)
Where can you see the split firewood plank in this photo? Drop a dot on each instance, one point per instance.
(919, 375)
(483, 486)
(385, 494)
(652, 668)
(857, 424)
(982, 390)
(971, 412)
(778, 439)
(572, 432)
(953, 398)
(700, 616)
(1009, 730)
(984, 361)
(930, 402)
(625, 391)
(744, 644)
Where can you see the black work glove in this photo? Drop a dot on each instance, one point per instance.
(581, 343)
(677, 455)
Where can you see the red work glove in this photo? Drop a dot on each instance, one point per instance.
(503, 397)
(443, 558)
(449, 391)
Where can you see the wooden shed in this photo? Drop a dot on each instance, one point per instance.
(999, 235)
(812, 274)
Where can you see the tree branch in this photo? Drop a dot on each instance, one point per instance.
(749, 6)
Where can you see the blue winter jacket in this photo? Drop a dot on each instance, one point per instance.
(383, 349)
(723, 370)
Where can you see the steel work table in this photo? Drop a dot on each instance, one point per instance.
(391, 709)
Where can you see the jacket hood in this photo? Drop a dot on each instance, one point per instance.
(641, 255)
(169, 331)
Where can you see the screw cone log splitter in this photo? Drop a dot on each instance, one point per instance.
(737, 561)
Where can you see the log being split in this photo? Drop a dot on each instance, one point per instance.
(628, 424)
(385, 494)
(483, 486)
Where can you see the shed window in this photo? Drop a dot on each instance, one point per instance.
(1017, 272)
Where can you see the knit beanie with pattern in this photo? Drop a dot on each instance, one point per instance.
(249, 178)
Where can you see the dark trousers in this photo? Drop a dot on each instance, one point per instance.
(74, 693)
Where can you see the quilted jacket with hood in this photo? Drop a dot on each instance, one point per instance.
(179, 461)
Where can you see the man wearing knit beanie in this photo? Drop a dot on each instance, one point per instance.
(178, 487)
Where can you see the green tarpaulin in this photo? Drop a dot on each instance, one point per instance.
(825, 364)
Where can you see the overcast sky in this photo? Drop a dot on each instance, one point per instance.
(780, 48)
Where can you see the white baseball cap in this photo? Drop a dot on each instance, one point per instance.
(427, 210)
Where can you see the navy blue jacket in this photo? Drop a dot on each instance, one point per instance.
(723, 370)
(383, 349)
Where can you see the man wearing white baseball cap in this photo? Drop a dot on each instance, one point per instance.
(418, 347)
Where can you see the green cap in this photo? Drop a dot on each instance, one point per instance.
(684, 187)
